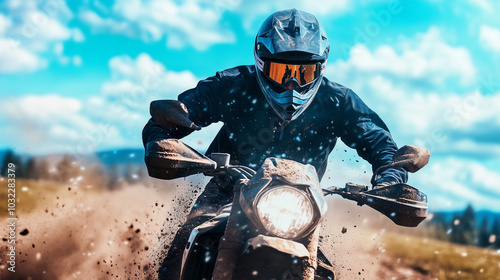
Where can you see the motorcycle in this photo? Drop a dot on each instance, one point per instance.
(270, 230)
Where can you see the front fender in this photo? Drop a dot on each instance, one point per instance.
(267, 257)
(285, 246)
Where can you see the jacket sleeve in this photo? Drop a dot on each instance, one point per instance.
(204, 103)
(363, 130)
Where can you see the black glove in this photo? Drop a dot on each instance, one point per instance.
(170, 113)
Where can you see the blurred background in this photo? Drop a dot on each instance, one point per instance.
(77, 77)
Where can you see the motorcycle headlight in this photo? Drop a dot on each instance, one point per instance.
(285, 211)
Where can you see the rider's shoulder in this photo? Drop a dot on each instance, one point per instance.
(331, 89)
(238, 72)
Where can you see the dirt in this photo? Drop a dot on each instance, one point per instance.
(353, 238)
(124, 234)
(116, 234)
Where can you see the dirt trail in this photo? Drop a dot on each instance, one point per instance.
(353, 237)
(122, 234)
(79, 234)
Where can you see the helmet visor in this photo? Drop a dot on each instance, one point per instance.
(283, 72)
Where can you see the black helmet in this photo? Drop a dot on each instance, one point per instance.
(290, 52)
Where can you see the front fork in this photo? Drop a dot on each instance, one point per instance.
(231, 244)
(311, 242)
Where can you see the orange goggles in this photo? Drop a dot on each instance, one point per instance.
(302, 73)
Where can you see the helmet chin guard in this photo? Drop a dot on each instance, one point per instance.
(291, 47)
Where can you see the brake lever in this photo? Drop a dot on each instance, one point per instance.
(351, 191)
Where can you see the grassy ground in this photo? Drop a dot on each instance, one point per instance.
(434, 259)
(31, 195)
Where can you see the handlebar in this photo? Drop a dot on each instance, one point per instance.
(402, 203)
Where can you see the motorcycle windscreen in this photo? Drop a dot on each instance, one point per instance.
(171, 158)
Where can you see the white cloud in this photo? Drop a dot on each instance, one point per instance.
(39, 121)
(488, 6)
(77, 35)
(50, 123)
(45, 107)
(454, 125)
(195, 22)
(113, 119)
(426, 58)
(35, 28)
(320, 7)
(250, 11)
(144, 79)
(106, 25)
(489, 37)
(452, 183)
(64, 60)
(444, 122)
(39, 24)
(5, 24)
(58, 51)
(15, 58)
(117, 88)
(134, 83)
(415, 87)
(58, 48)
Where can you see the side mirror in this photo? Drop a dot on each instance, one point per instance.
(411, 158)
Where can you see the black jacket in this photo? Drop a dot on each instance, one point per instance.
(253, 132)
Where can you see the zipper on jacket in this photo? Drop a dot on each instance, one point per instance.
(282, 128)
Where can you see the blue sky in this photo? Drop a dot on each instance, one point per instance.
(78, 76)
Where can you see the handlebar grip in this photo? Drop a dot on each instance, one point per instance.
(355, 188)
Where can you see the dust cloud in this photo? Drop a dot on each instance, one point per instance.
(99, 234)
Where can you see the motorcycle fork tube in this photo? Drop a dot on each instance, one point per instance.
(309, 265)
(231, 244)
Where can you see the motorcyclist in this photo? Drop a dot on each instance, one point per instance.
(269, 112)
